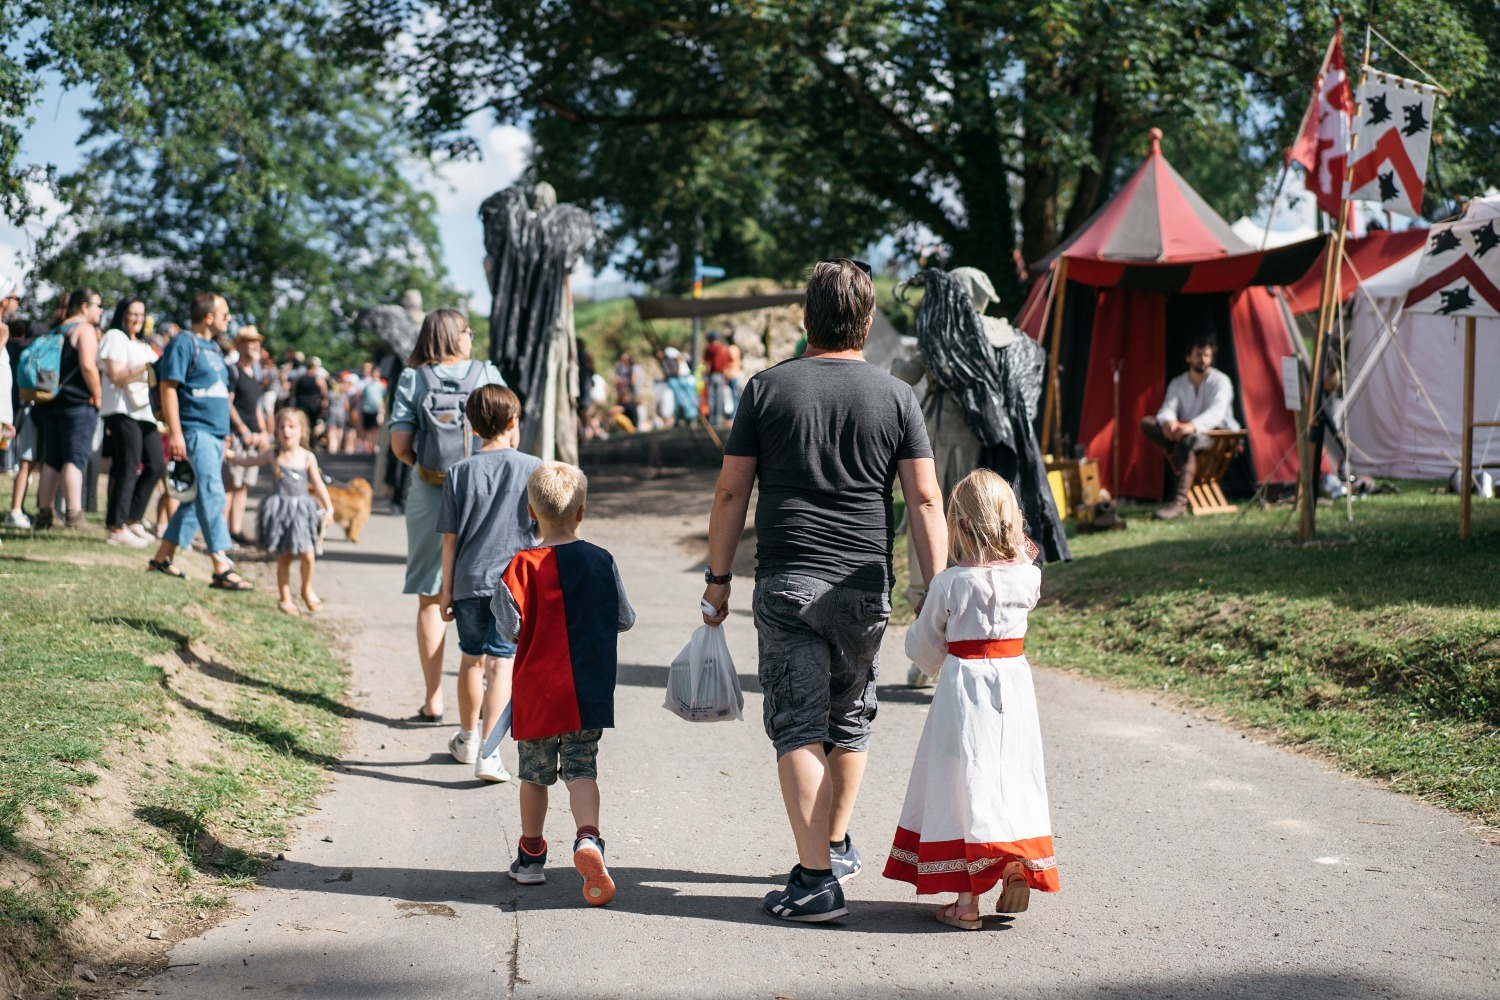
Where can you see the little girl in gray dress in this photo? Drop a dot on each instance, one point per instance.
(290, 517)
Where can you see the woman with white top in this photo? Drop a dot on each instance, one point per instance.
(136, 459)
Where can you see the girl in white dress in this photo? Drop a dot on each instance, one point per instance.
(976, 806)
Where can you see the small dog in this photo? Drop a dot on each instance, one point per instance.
(351, 506)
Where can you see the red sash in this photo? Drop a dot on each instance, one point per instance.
(986, 649)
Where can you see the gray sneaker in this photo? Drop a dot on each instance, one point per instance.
(845, 861)
(807, 899)
(527, 869)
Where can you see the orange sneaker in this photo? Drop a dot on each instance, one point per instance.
(588, 858)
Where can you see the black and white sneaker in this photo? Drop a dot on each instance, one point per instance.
(807, 899)
(845, 861)
(529, 869)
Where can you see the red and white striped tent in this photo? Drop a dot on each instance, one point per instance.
(1150, 270)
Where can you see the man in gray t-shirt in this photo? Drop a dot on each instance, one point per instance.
(827, 435)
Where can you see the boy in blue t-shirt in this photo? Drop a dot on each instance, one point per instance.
(194, 384)
(484, 522)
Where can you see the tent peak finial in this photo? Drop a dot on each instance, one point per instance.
(1155, 134)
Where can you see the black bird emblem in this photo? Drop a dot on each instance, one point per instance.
(1486, 239)
(1416, 121)
(1379, 112)
(1388, 189)
(1445, 240)
(1456, 300)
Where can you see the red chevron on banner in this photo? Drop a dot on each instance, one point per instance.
(1388, 148)
(1466, 268)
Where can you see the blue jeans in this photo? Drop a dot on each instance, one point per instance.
(478, 632)
(206, 453)
(685, 396)
(716, 387)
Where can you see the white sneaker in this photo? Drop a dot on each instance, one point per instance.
(141, 530)
(490, 768)
(18, 519)
(464, 747)
(124, 536)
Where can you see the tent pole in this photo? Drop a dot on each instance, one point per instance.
(1052, 413)
(1465, 498)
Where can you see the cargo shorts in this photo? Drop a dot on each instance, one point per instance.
(573, 755)
(819, 660)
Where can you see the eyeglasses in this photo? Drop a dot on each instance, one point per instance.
(850, 260)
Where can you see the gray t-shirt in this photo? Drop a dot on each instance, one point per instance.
(827, 434)
(484, 504)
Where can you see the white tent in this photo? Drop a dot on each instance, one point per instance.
(1405, 391)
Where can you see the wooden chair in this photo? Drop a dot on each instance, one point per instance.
(1206, 497)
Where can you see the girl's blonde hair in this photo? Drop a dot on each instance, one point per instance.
(984, 520)
(297, 415)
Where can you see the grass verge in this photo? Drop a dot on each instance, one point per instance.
(1379, 650)
(159, 737)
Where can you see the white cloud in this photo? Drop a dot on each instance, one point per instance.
(18, 243)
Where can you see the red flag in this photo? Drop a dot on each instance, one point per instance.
(1322, 145)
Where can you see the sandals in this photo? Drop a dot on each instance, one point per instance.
(966, 920)
(313, 604)
(221, 581)
(288, 607)
(165, 567)
(1015, 893)
(422, 718)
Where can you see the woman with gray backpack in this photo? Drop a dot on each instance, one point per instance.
(430, 432)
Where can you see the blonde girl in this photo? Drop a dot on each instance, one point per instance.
(290, 518)
(976, 811)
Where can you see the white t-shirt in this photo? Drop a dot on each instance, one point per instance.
(133, 398)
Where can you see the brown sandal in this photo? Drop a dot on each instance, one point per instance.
(968, 920)
(1015, 892)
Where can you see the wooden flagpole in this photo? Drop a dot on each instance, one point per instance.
(1307, 528)
(1052, 412)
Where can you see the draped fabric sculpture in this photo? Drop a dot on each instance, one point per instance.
(532, 245)
(987, 381)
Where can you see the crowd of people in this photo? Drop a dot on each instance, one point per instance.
(493, 546)
(187, 417)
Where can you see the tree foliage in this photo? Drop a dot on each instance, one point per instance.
(801, 128)
(228, 148)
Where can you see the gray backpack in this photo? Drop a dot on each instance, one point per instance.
(443, 433)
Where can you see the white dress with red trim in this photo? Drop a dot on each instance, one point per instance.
(977, 798)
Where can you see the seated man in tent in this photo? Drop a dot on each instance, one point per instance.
(1199, 400)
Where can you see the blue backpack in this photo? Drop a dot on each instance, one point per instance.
(41, 366)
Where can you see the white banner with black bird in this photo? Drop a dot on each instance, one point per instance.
(1459, 274)
(1393, 137)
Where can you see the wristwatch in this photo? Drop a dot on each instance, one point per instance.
(708, 576)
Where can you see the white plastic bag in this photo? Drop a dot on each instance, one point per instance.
(702, 685)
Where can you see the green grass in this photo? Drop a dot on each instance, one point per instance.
(1381, 651)
(78, 698)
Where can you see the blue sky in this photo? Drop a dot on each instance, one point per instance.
(457, 187)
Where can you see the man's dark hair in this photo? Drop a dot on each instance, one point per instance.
(1203, 340)
(840, 301)
(77, 300)
(490, 409)
(202, 307)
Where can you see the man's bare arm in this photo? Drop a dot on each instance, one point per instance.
(726, 524)
(924, 515)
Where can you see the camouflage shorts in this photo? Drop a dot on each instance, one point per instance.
(573, 755)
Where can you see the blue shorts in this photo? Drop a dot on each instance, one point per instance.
(478, 633)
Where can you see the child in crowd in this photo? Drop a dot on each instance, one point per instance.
(291, 517)
(976, 805)
(484, 522)
(563, 604)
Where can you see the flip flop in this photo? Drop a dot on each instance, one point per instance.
(314, 605)
(423, 718)
(969, 920)
(1015, 893)
(221, 581)
(165, 567)
(289, 608)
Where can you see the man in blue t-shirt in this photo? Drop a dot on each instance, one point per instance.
(194, 384)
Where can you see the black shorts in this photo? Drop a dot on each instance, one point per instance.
(66, 433)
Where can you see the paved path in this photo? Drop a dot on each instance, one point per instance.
(1195, 862)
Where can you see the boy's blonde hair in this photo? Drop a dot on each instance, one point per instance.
(985, 523)
(556, 491)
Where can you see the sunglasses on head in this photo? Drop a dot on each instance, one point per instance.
(840, 260)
